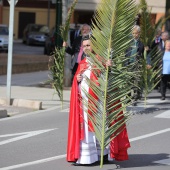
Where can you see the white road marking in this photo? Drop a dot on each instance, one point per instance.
(63, 156)
(22, 135)
(65, 110)
(149, 135)
(163, 161)
(33, 163)
(165, 115)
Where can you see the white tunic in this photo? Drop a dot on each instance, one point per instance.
(89, 147)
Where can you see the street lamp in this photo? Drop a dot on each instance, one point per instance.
(167, 14)
(10, 48)
(48, 15)
(58, 40)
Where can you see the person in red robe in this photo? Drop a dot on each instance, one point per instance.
(82, 146)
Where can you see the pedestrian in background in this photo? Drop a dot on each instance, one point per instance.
(165, 70)
(161, 47)
(164, 37)
(76, 51)
(157, 39)
(74, 33)
(135, 53)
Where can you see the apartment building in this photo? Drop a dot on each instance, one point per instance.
(44, 12)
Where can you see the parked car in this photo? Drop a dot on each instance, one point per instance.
(35, 34)
(50, 41)
(4, 35)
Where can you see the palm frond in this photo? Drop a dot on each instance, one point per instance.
(148, 31)
(57, 68)
(65, 28)
(111, 30)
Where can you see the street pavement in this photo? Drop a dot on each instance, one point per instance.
(37, 139)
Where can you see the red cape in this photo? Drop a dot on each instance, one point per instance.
(118, 146)
(74, 129)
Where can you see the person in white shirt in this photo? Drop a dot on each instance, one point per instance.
(165, 69)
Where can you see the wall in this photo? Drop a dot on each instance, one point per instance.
(40, 13)
(158, 6)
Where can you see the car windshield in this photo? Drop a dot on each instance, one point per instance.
(4, 30)
(39, 28)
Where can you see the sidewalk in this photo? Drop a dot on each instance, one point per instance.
(30, 92)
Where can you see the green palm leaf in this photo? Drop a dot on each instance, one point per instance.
(57, 68)
(111, 30)
(149, 77)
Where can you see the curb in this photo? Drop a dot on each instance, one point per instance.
(36, 105)
(3, 113)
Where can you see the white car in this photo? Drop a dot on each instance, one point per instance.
(4, 34)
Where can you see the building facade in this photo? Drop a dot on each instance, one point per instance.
(44, 12)
(32, 11)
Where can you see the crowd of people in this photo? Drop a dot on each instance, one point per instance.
(85, 150)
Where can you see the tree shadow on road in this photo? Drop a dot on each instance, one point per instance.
(142, 160)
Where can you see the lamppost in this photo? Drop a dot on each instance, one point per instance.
(48, 13)
(167, 14)
(58, 40)
(1, 3)
(12, 4)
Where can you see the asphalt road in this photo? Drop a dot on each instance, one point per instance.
(20, 48)
(38, 141)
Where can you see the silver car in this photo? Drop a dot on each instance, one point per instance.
(4, 34)
(35, 34)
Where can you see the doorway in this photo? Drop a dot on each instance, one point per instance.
(24, 19)
(82, 17)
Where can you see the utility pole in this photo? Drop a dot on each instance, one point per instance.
(167, 13)
(58, 40)
(48, 14)
(12, 4)
(1, 6)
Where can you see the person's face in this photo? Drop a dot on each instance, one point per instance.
(135, 34)
(164, 36)
(158, 34)
(86, 46)
(85, 30)
(167, 46)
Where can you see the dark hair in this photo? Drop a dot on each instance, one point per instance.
(86, 37)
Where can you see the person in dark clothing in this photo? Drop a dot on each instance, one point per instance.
(135, 53)
(74, 34)
(157, 39)
(161, 47)
(76, 51)
(164, 37)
